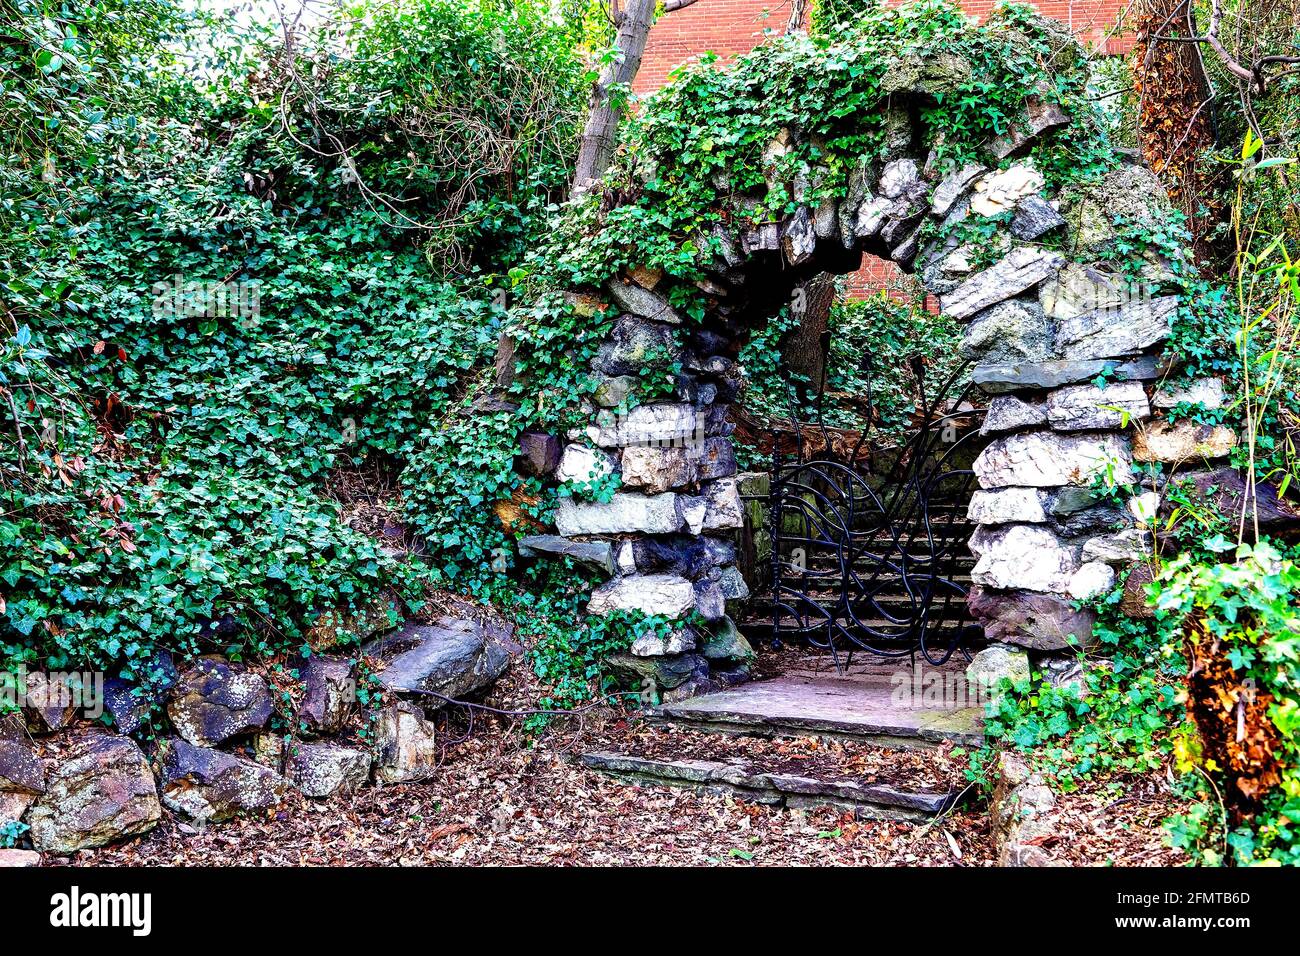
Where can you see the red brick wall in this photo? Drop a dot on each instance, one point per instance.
(732, 27)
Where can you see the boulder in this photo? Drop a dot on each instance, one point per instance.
(723, 507)
(19, 859)
(1022, 556)
(726, 644)
(640, 301)
(211, 786)
(1092, 580)
(331, 693)
(997, 661)
(21, 771)
(1039, 622)
(452, 657)
(539, 453)
(996, 379)
(1174, 442)
(798, 238)
(14, 804)
(663, 672)
(130, 702)
(655, 469)
(624, 513)
(595, 554)
(1089, 408)
(953, 186)
(98, 790)
(1011, 331)
(580, 465)
(405, 745)
(684, 556)
(717, 459)
(1041, 460)
(651, 643)
(1121, 547)
(50, 701)
(1134, 602)
(1020, 269)
(636, 346)
(661, 594)
(322, 770)
(1007, 413)
(898, 178)
(613, 391)
(1208, 393)
(1131, 195)
(1002, 190)
(216, 700)
(1007, 506)
(1110, 332)
(1035, 217)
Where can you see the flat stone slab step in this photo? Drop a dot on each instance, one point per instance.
(749, 781)
(875, 707)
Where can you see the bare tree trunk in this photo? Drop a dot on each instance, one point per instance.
(1175, 115)
(804, 349)
(597, 148)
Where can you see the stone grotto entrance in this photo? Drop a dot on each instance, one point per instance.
(1063, 341)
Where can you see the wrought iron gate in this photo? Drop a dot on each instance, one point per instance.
(867, 559)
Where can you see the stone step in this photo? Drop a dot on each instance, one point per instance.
(868, 708)
(751, 780)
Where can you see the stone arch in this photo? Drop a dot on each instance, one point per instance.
(1047, 316)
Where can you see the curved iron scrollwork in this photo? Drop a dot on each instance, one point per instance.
(868, 559)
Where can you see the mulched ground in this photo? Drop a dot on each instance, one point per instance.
(496, 803)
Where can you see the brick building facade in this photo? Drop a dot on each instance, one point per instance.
(732, 27)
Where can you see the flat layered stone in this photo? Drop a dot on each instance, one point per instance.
(638, 300)
(800, 705)
(749, 780)
(1019, 270)
(1208, 393)
(1078, 289)
(662, 425)
(1035, 217)
(595, 554)
(624, 513)
(997, 379)
(1119, 548)
(1007, 506)
(1002, 190)
(406, 745)
(1041, 460)
(1173, 442)
(953, 186)
(662, 594)
(1089, 408)
(1123, 330)
(1008, 413)
(1028, 557)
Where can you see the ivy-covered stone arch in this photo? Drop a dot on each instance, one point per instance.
(968, 155)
